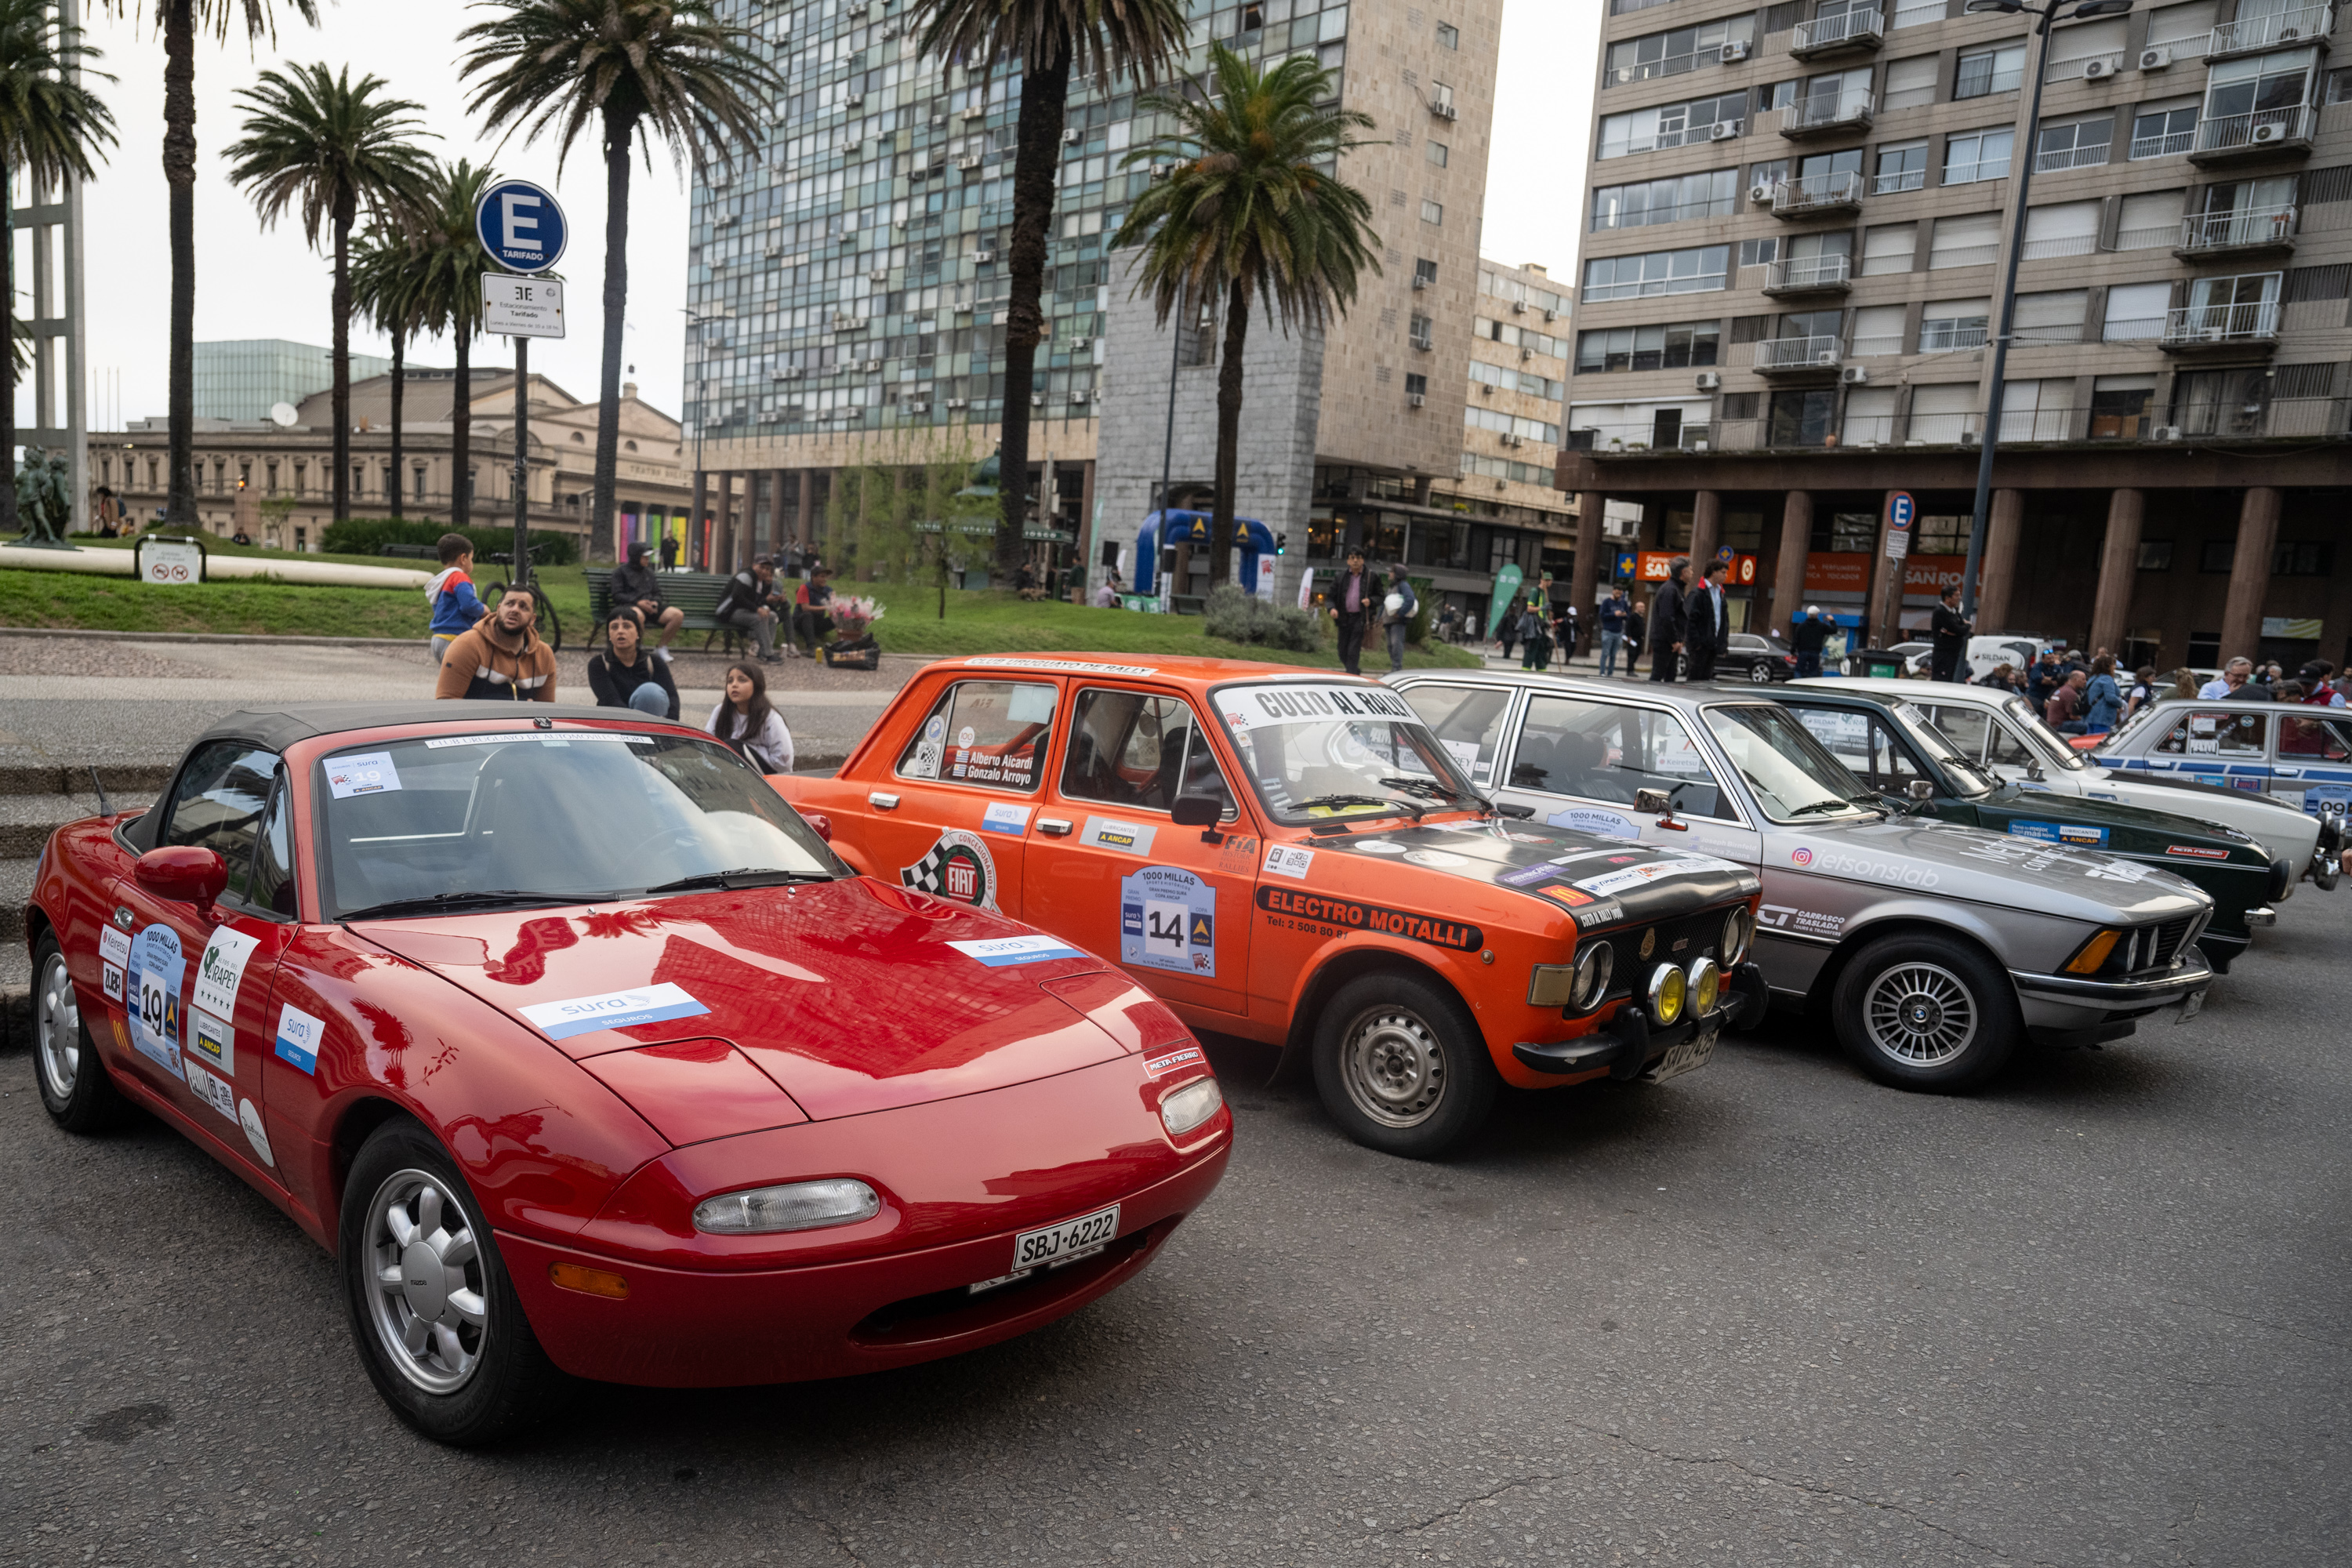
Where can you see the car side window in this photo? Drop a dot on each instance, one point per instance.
(1602, 751)
(218, 802)
(1467, 721)
(1892, 766)
(1134, 749)
(2005, 749)
(994, 733)
(1967, 727)
(1847, 736)
(2217, 735)
(270, 889)
(2317, 740)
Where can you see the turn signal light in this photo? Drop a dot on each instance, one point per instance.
(1190, 1106)
(799, 1205)
(1551, 985)
(1669, 988)
(2093, 953)
(588, 1281)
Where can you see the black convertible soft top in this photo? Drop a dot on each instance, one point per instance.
(279, 728)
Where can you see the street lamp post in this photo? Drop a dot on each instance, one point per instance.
(701, 389)
(1989, 437)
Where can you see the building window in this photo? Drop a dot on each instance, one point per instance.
(1449, 36)
(1675, 345)
(2213, 556)
(418, 477)
(1669, 125)
(1978, 155)
(2155, 554)
(2000, 68)
(269, 476)
(2135, 312)
(2303, 558)
(1711, 194)
(1435, 151)
(1421, 335)
(2163, 131)
(1700, 270)
(1432, 212)
(1416, 385)
(1972, 240)
(1424, 272)
(1902, 166)
(1684, 48)
(2081, 146)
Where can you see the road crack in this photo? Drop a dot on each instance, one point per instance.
(832, 1532)
(2288, 1329)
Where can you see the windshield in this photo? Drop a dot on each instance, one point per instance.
(1314, 752)
(1793, 774)
(2146, 710)
(2048, 746)
(575, 816)
(1969, 776)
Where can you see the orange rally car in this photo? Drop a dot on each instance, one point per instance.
(1291, 857)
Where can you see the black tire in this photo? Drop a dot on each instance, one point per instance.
(74, 1089)
(1937, 1051)
(1401, 1067)
(481, 1382)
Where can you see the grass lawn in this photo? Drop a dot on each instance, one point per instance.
(988, 622)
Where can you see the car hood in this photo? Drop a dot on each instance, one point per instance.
(847, 995)
(1526, 857)
(2130, 829)
(1943, 859)
(2140, 787)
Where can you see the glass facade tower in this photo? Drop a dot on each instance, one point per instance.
(242, 380)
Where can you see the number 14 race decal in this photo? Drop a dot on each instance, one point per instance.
(1168, 920)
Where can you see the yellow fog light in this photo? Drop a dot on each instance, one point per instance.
(1705, 986)
(1667, 990)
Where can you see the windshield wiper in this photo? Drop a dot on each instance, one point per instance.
(741, 877)
(1869, 802)
(1414, 808)
(435, 903)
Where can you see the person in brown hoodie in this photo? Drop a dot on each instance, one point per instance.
(502, 656)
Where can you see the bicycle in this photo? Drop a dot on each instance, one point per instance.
(550, 629)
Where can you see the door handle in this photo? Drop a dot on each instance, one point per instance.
(1054, 825)
(881, 801)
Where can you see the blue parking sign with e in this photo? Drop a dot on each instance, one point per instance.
(520, 226)
(1900, 513)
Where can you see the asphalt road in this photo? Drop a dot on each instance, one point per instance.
(1770, 1314)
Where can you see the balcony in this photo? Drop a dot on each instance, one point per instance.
(1827, 114)
(2279, 419)
(2246, 232)
(1813, 356)
(2311, 24)
(2264, 133)
(1810, 274)
(1818, 196)
(2207, 329)
(1856, 32)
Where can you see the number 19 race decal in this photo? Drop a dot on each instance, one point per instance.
(157, 973)
(958, 867)
(1168, 920)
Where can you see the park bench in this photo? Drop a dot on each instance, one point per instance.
(696, 593)
(411, 551)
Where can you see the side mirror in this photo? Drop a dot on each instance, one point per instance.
(1922, 791)
(820, 822)
(183, 873)
(1196, 810)
(1653, 803)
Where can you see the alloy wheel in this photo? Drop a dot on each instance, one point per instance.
(1394, 1067)
(1921, 1014)
(428, 1298)
(56, 1029)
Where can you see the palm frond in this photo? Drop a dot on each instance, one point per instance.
(669, 70)
(50, 124)
(445, 275)
(319, 145)
(1100, 38)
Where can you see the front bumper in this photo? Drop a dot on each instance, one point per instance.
(2066, 1004)
(1628, 1044)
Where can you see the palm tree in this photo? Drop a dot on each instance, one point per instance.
(317, 143)
(181, 21)
(50, 125)
(386, 271)
(666, 70)
(446, 278)
(1250, 212)
(1049, 40)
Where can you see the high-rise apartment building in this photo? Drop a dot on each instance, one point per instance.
(847, 285)
(1797, 224)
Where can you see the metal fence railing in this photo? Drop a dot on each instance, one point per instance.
(2255, 322)
(2262, 128)
(1819, 352)
(1826, 32)
(2269, 32)
(2247, 226)
(1809, 272)
(1811, 192)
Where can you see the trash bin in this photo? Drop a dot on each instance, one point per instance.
(1875, 664)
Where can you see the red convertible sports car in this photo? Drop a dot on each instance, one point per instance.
(586, 1056)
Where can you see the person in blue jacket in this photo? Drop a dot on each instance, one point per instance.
(455, 605)
(2102, 699)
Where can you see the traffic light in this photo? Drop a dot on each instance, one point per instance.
(1282, 544)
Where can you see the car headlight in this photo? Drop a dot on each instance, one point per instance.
(1668, 988)
(1190, 1106)
(799, 1205)
(1739, 927)
(1705, 986)
(1594, 967)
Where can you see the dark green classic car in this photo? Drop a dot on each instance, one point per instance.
(1893, 745)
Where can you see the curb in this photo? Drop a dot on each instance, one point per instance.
(918, 659)
(74, 779)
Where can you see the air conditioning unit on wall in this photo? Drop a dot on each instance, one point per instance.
(2268, 133)
(2155, 60)
(1759, 192)
(1723, 130)
(1854, 374)
(1709, 381)
(1732, 54)
(2092, 70)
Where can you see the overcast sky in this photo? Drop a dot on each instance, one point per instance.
(255, 284)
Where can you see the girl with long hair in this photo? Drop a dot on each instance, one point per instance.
(749, 724)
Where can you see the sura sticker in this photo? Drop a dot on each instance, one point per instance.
(997, 951)
(1002, 816)
(299, 1035)
(221, 969)
(612, 1010)
(365, 772)
(1168, 920)
(958, 867)
(157, 972)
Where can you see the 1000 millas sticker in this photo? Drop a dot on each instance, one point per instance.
(1347, 914)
